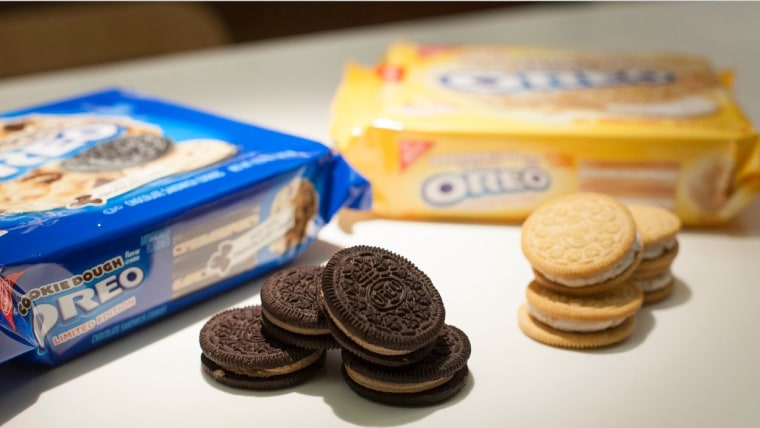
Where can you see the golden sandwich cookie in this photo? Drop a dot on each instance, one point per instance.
(579, 321)
(581, 244)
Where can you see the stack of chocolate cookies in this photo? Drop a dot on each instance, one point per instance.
(382, 313)
(281, 343)
(583, 249)
(390, 323)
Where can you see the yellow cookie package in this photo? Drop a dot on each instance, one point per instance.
(491, 132)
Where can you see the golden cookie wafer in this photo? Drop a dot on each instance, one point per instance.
(660, 294)
(656, 224)
(581, 240)
(579, 322)
(649, 273)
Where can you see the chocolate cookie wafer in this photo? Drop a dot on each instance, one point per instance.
(290, 311)
(380, 305)
(434, 379)
(237, 353)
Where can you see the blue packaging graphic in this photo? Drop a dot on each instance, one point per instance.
(117, 208)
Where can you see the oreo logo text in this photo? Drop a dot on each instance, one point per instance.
(71, 300)
(453, 187)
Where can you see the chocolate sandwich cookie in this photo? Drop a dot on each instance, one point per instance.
(237, 353)
(579, 321)
(434, 379)
(290, 312)
(581, 244)
(658, 228)
(380, 305)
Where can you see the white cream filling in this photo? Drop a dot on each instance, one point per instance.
(570, 325)
(658, 248)
(653, 283)
(610, 273)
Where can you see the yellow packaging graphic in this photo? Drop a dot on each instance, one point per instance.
(491, 132)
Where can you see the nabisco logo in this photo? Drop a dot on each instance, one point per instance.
(6, 296)
(410, 150)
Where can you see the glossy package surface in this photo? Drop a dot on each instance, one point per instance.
(117, 208)
(491, 132)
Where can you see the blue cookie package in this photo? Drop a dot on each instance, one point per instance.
(118, 208)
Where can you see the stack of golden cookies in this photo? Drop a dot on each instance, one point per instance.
(585, 250)
(658, 228)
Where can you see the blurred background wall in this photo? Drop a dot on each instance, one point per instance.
(45, 36)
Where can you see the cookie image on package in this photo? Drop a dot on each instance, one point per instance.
(236, 352)
(290, 309)
(119, 154)
(599, 83)
(182, 157)
(60, 183)
(436, 378)
(300, 198)
(107, 156)
(201, 252)
(185, 156)
(709, 182)
(49, 188)
(565, 321)
(380, 306)
(581, 244)
(653, 182)
(658, 228)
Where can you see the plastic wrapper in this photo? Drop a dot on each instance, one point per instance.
(117, 209)
(491, 132)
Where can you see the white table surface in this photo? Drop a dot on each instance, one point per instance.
(693, 360)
